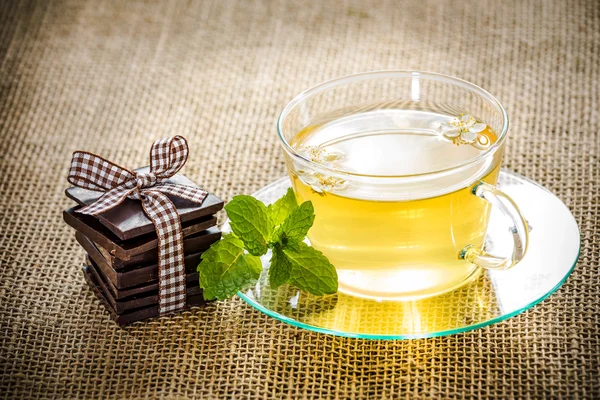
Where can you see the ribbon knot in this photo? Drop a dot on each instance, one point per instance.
(167, 157)
(145, 180)
(142, 181)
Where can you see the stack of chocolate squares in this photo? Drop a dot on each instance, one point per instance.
(122, 250)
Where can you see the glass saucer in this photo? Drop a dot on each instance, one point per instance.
(493, 297)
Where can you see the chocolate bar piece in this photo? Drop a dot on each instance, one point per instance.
(130, 276)
(121, 294)
(137, 301)
(130, 317)
(124, 250)
(191, 244)
(128, 220)
(141, 276)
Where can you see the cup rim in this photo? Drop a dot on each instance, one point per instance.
(393, 74)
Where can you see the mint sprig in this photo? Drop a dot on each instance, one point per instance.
(233, 264)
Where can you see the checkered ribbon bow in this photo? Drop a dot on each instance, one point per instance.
(167, 156)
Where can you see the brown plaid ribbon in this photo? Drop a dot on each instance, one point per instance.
(167, 156)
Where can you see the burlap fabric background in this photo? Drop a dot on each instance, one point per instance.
(111, 77)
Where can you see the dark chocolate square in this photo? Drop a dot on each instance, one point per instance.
(121, 294)
(141, 275)
(128, 219)
(195, 243)
(140, 314)
(126, 249)
(139, 300)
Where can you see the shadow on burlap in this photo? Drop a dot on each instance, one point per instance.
(112, 77)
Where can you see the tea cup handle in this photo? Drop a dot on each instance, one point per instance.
(519, 229)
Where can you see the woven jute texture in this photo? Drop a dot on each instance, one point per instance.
(112, 77)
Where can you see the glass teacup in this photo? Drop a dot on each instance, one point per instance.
(400, 167)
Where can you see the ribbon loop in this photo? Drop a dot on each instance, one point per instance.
(167, 157)
(93, 172)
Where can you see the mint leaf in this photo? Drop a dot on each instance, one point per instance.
(250, 222)
(225, 269)
(310, 269)
(279, 210)
(279, 271)
(296, 225)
